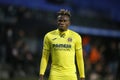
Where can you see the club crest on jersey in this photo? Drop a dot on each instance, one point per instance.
(69, 39)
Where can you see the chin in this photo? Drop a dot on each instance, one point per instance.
(61, 29)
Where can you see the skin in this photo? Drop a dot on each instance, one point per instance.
(63, 22)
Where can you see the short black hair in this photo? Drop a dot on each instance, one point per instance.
(64, 12)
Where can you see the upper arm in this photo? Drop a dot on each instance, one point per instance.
(46, 43)
(78, 42)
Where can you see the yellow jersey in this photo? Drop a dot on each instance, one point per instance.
(63, 47)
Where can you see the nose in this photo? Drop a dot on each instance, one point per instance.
(62, 22)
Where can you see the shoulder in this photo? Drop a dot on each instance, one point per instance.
(50, 33)
(77, 37)
(74, 33)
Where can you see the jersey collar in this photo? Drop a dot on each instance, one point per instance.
(63, 33)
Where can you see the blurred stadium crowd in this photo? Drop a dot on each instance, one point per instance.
(21, 35)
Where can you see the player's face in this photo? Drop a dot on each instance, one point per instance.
(63, 21)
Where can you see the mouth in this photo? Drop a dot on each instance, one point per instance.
(61, 25)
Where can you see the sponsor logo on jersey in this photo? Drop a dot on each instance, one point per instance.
(61, 45)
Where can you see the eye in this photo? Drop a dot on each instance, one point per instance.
(60, 20)
(65, 20)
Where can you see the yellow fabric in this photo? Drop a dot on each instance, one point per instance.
(62, 77)
(62, 50)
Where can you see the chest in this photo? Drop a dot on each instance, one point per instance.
(66, 41)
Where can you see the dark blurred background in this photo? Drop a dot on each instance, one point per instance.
(23, 24)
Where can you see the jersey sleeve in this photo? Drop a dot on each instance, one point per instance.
(46, 43)
(78, 44)
(79, 56)
(45, 55)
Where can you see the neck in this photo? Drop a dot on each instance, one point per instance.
(61, 30)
